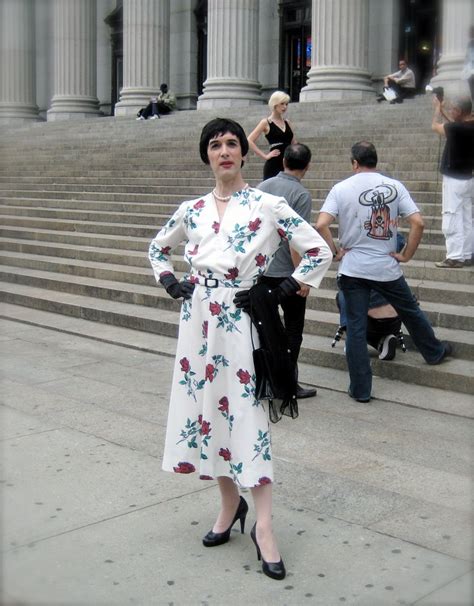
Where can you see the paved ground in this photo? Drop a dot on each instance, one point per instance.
(375, 512)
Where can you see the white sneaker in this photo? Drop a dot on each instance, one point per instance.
(140, 118)
(387, 347)
(153, 118)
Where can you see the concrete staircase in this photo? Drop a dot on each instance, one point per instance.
(80, 201)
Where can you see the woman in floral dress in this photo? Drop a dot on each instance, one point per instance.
(216, 427)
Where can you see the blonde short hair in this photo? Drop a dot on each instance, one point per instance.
(278, 97)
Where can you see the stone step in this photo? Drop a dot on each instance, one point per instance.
(80, 208)
(430, 236)
(72, 239)
(333, 171)
(139, 218)
(440, 314)
(37, 243)
(320, 171)
(455, 374)
(175, 185)
(427, 208)
(419, 396)
(420, 197)
(138, 271)
(134, 152)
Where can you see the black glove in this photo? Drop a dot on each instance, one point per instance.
(286, 288)
(177, 289)
(242, 300)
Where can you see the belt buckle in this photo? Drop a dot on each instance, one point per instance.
(208, 280)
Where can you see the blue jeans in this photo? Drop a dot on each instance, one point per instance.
(357, 293)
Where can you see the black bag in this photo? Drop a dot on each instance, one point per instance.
(274, 368)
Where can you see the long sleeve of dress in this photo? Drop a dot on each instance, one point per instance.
(168, 238)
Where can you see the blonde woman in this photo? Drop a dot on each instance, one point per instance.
(278, 132)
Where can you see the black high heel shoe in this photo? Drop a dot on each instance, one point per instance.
(212, 539)
(274, 570)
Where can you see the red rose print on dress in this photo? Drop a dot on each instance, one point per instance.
(224, 404)
(205, 428)
(216, 227)
(193, 252)
(215, 309)
(194, 279)
(185, 366)
(312, 252)
(260, 260)
(184, 467)
(210, 372)
(200, 204)
(206, 478)
(205, 326)
(254, 225)
(282, 234)
(248, 381)
(232, 273)
(244, 376)
(264, 480)
(225, 454)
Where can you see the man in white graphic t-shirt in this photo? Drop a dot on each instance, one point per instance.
(368, 206)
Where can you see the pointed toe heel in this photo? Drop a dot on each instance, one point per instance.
(213, 539)
(274, 570)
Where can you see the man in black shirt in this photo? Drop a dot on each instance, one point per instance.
(456, 167)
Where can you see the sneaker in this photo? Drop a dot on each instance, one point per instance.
(153, 118)
(140, 118)
(387, 347)
(450, 264)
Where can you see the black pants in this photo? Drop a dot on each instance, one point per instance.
(378, 328)
(402, 93)
(153, 109)
(294, 308)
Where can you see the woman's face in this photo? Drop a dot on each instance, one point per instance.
(225, 156)
(281, 107)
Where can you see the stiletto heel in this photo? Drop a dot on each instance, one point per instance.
(212, 539)
(274, 570)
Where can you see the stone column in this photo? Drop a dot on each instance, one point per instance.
(17, 61)
(184, 51)
(457, 17)
(146, 41)
(75, 60)
(339, 60)
(232, 55)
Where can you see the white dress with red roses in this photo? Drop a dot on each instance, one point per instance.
(216, 427)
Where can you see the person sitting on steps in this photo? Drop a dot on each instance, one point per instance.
(401, 82)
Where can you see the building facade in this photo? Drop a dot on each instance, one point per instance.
(62, 59)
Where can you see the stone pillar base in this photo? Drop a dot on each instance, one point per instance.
(230, 93)
(449, 76)
(64, 107)
(133, 99)
(337, 84)
(14, 112)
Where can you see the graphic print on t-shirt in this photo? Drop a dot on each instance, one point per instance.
(379, 197)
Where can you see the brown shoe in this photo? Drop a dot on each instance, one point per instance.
(450, 264)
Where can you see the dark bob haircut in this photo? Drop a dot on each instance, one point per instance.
(365, 154)
(220, 126)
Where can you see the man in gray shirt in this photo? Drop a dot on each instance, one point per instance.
(287, 184)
